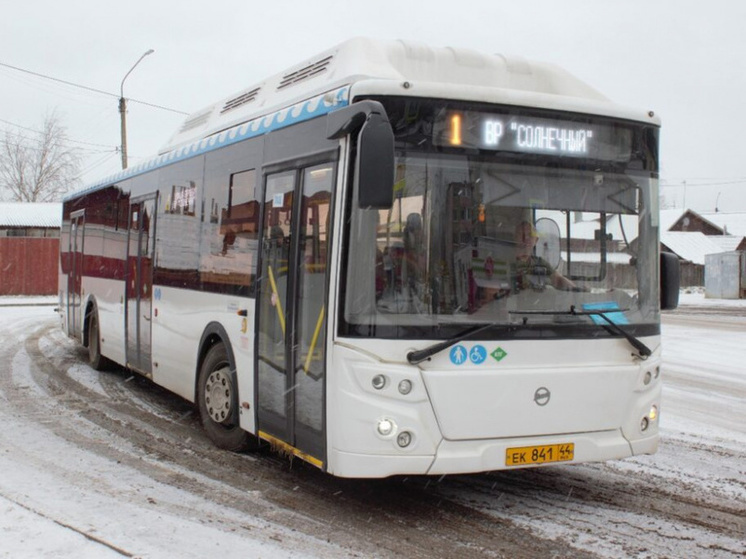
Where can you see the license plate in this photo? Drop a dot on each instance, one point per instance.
(527, 455)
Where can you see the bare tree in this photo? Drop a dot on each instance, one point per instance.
(38, 166)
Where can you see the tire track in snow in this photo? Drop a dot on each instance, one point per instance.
(382, 518)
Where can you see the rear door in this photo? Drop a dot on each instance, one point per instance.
(140, 256)
(75, 274)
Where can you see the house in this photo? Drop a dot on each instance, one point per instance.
(693, 235)
(688, 221)
(688, 234)
(731, 223)
(691, 248)
(29, 247)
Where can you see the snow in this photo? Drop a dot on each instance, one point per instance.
(59, 499)
(691, 246)
(102, 502)
(727, 243)
(24, 214)
(695, 297)
(733, 222)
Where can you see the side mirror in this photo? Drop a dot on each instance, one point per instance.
(375, 164)
(670, 280)
(374, 171)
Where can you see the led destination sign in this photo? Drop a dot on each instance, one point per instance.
(528, 134)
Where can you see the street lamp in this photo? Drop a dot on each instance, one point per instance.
(123, 108)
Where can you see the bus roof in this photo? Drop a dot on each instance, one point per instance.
(453, 72)
(361, 66)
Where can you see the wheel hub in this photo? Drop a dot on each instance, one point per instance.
(219, 395)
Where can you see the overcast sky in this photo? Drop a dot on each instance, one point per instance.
(683, 59)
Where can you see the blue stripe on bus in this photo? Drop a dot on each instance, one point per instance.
(305, 110)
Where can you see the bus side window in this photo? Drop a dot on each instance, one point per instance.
(230, 228)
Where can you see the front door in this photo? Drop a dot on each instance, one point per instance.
(291, 308)
(75, 273)
(140, 258)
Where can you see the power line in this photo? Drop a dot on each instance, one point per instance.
(681, 184)
(91, 89)
(66, 139)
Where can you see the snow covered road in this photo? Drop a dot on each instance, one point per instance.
(107, 465)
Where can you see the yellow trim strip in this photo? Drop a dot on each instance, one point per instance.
(278, 306)
(319, 322)
(291, 449)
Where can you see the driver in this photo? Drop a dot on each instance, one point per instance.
(527, 265)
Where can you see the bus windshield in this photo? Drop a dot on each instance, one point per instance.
(517, 240)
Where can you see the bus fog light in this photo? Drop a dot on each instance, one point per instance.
(405, 387)
(404, 439)
(653, 414)
(379, 381)
(385, 427)
(644, 424)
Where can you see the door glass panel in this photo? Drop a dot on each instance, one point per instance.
(273, 308)
(145, 267)
(77, 228)
(311, 320)
(139, 284)
(132, 287)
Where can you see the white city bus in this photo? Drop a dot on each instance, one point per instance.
(390, 259)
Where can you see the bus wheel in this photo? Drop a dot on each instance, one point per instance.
(217, 398)
(95, 359)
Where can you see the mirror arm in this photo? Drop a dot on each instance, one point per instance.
(350, 118)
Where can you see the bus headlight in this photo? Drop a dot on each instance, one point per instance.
(385, 427)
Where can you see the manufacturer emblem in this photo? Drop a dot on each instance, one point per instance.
(542, 396)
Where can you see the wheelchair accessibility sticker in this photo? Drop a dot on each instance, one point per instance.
(460, 355)
(478, 354)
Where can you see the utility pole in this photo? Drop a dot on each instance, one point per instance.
(123, 109)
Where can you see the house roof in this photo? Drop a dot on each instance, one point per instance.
(618, 226)
(668, 218)
(734, 223)
(30, 214)
(691, 246)
(727, 243)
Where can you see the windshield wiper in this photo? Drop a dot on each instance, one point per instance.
(644, 350)
(415, 357)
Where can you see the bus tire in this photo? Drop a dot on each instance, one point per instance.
(95, 359)
(217, 399)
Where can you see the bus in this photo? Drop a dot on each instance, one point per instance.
(390, 259)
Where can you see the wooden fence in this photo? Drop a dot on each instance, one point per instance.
(29, 265)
